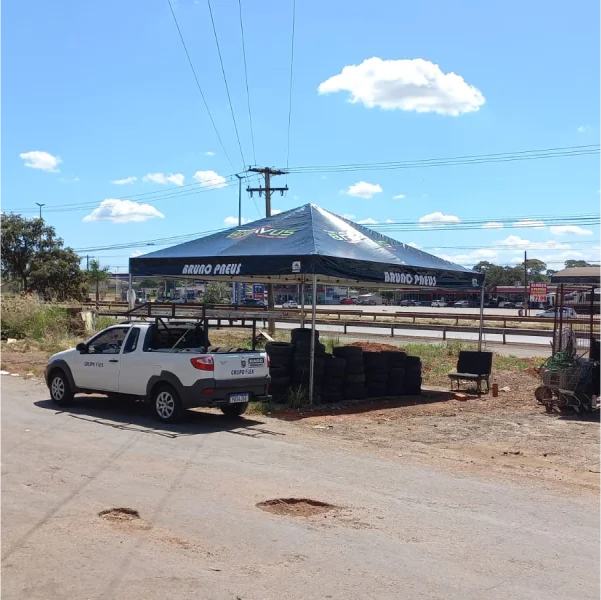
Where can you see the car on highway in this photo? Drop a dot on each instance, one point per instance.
(409, 303)
(253, 302)
(348, 301)
(461, 304)
(290, 304)
(439, 303)
(166, 366)
(567, 312)
(506, 304)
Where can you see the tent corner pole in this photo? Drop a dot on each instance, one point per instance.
(302, 303)
(312, 356)
(481, 326)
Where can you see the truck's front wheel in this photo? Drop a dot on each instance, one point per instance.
(166, 404)
(234, 410)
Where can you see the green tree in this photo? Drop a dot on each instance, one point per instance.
(34, 256)
(23, 241)
(217, 292)
(57, 275)
(97, 275)
(570, 264)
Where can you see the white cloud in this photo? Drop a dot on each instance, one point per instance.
(566, 229)
(362, 189)
(209, 153)
(471, 258)
(209, 178)
(437, 218)
(45, 161)
(399, 197)
(368, 221)
(348, 216)
(122, 211)
(492, 225)
(66, 180)
(124, 181)
(275, 211)
(175, 179)
(531, 223)
(414, 245)
(136, 253)
(323, 177)
(515, 241)
(409, 84)
(233, 221)
(582, 128)
(389, 221)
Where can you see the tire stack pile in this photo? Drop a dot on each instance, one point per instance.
(376, 373)
(353, 385)
(280, 369)
(301, 361)
(395, 385)
(333, 379)
(413, 376)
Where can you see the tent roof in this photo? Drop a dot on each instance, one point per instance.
(578, 275)
(293, 245)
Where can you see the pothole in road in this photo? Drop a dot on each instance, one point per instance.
(119, 514)
(295, 507)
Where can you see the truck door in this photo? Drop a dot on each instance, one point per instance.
(136, 366)
(98, 368)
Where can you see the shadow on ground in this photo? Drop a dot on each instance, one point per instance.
(364, 406)
(135, 416)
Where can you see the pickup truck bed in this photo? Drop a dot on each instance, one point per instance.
(164, 366)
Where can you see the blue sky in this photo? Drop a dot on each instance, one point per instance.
(105, 89)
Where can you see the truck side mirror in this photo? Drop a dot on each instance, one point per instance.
(81, 347)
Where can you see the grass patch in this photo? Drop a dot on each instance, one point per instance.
(439, 359)
(25, 317)
(331, 343)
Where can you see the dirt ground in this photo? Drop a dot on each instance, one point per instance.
(510, 436)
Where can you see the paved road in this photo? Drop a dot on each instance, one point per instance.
(402, 532)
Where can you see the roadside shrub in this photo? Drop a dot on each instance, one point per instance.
(26, 317)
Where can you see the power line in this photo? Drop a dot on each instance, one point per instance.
(227, 89)
(181, 37)
(250, 118)
(562, 152)
(290, 88)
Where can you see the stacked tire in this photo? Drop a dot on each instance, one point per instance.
(333, 379)
(376, 373)
(353, 386)
(413, 376)
(301, 361)
(395, 385)
(280, 357)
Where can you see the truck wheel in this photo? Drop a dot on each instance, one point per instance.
(60, 389)
(234, 410)
(166, 404)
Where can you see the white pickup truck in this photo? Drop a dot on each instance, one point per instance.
(167, 366)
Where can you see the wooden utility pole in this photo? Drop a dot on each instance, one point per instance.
(267, 172)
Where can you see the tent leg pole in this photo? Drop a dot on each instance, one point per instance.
(130, 295)
(302, 304)
(481, 319)
(312, 356)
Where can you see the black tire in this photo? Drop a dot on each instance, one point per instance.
(279, 383)
(303, 335)
(357, 379)
(350, 353)
(305, 348)
(277, 371)
(279, 349)
(234, 410)
(60, 388)
(166, 404)
(413, 361)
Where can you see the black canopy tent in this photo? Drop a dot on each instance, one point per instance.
(307, 244)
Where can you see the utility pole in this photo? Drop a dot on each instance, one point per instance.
(267, 172)
(40, 205)
(237, 286)
(526, 295)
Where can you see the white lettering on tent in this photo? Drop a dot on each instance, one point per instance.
(408, 279)
(202, 269)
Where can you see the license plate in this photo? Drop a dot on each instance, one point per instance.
(235, 398)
